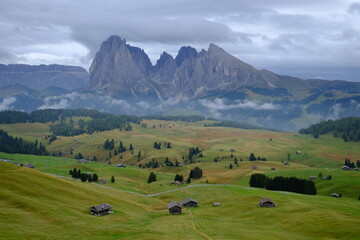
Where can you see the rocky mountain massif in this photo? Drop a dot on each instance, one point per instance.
(119, 68)
(122, 80)
(43, 76)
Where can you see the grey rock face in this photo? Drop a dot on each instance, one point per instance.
(119, 67)
(43, 76)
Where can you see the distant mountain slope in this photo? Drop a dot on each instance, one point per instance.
(43, 76)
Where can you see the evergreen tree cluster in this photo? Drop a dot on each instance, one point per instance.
(258, 180)
(84, 177)
(253, 158)
(179, 178)
(196, 172)
(121, 148)
(10, 144)
(152, 177)
(158, 145)
(152, 164)
(351, 164)
(347, 128)
(52, 138)
(278, 183)
(193, 152)
(79, 156)
(109, 145)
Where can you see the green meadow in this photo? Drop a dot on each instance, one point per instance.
(46, 203)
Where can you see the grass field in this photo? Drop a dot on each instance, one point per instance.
(45, 206)
(35, 205)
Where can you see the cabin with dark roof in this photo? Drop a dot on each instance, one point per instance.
(266, 202)
(335, 195)
(174, 207)
(190, 202)
(29, 165)
(101, 210)
(346, 168)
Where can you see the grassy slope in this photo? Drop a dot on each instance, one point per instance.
(325, 155)
(35, 205)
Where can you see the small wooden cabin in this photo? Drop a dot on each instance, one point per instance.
(335, 195)
(346, 168)
(174, 207)
(312, 177)
(190, 202)
(29, 165)
(265, 202)
(101, 210)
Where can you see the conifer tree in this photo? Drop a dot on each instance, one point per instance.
(112, 179)
(152, 178)
(95, 177)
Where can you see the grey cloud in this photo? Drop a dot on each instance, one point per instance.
(260, 32)
(219, 104)
(6, 103)
(354, 8)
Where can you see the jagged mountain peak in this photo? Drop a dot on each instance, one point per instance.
(163, 60)
(185, 53)
(119, 67)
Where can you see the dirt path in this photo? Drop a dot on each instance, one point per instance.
(197, 230)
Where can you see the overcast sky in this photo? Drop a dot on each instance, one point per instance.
(304, 38)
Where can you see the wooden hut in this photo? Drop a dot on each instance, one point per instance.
(101, 210)
(346, 168)
(265, 202)
(190, 202)
(174, 207)
(335, 195)
(29, 165)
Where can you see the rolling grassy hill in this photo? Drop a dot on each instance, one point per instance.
(35, 205)
(46, 203)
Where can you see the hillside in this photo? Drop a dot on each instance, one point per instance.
(45, 206)
(325, 154)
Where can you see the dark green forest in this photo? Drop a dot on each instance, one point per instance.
(10, 144)
(347, 128)
(279, 183)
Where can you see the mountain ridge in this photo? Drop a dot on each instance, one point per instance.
(43, 76)
(121, 68)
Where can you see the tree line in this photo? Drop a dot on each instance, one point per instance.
(232, 124)
(10, 144)
(347, 128)
(190, 118)
(279, 183)
(99, 121)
